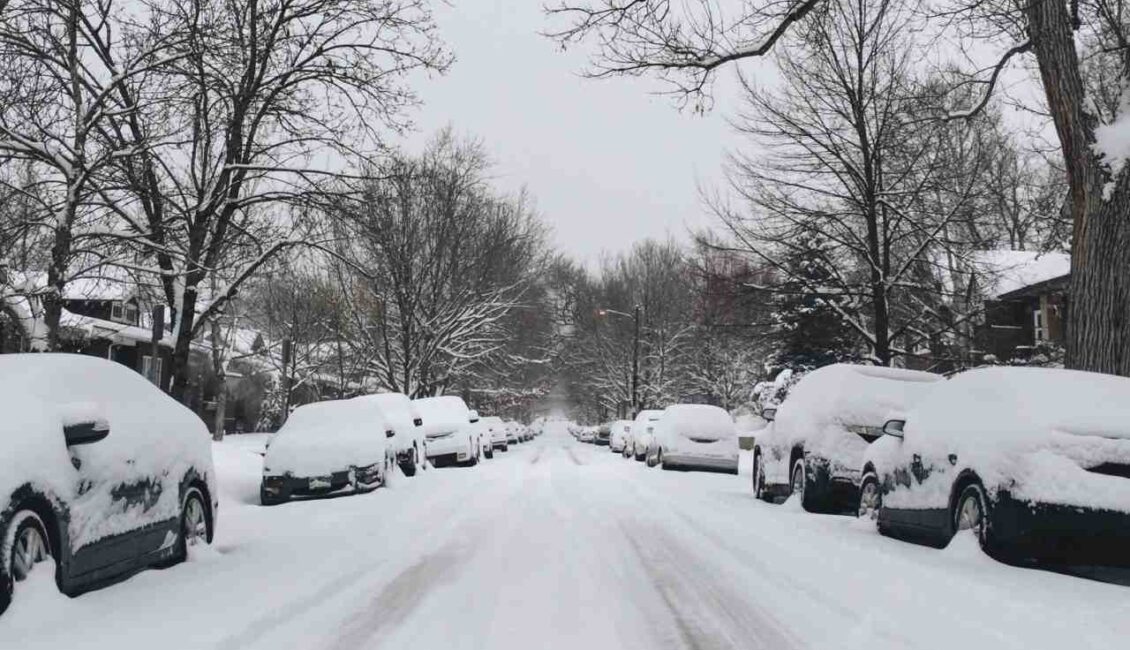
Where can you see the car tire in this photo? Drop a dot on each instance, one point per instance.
(28, 543)
(971, 512)
(662, 462)
(489, 453)
(798, 480)
(870, 497)
(195, 524)
(759, 490)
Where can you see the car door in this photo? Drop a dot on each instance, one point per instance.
(909, 486)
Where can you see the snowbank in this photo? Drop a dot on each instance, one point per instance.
(325, 437)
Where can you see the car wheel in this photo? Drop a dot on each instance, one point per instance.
(660, 461)
(195, 525)
(29, 546)
(797, 480)
(759, 478)
(971, 512)
(870, 497)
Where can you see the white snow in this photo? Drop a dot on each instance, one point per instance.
(699, 421)
(564, 546)
(1005, 271)
(400, 414)
(325, 437)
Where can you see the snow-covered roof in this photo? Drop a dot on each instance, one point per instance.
(1005, 271)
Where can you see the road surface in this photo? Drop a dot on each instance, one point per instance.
(557, 544)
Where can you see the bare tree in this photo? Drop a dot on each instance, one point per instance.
(265, 107)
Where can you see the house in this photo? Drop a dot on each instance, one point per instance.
(1025, 297)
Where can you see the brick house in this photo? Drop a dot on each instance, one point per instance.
(1025, 298)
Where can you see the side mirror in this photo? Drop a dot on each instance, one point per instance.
(418, 422)
(769, 415)
(389, 433)
(474, 417)
(894, 428)
(85, 433)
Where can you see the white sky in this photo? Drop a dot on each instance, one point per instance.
(608, 162)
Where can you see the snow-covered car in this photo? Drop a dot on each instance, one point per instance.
(409, 443)
(496, 429)
(99, 471)
(1035, 461)
(618, 438)
(481, 433)
(331, 447)
(701, 436)
(642, 433)
(587, 435)
(815, 444)
(603, 434)
(447, 427)
(512, 432)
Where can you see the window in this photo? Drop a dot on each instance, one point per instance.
(1038, 329)
(131, 313)
(151, 373)
(116, 310)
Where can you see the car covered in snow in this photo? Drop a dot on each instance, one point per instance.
(447, 426)
(512, 436)
(695, 436)
(100, 471)
(1035, 461)
(603, 434)
(815, 444)
(481, 433)
(330, 447)
(618, 435)
(642, 434)
(587, 434)
(408, 442)
(495, 432)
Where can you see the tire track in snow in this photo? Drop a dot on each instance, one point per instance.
(706, 612)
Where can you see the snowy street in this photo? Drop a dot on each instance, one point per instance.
(558, 544)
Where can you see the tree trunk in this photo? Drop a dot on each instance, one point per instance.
(183, 343)
(1097, 336)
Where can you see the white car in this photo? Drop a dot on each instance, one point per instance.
(481, 433)
(814, 446)
(99, 471)
(695, 436)
(1035, 461)
(642, 433)
(409, 442)
(329, 447)
(619, 437)
(447, 426)
(496, 429)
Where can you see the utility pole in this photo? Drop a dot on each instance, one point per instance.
(636, 363)
(287, 353)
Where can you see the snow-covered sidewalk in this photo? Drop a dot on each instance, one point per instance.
(562, 545)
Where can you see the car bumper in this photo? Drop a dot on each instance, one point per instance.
(1059, 532)
(690, 460)
(286, 487)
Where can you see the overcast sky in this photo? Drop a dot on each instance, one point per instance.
(607, 161)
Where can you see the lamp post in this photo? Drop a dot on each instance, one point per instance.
(635, 316)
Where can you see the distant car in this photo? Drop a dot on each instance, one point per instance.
(643, 432)
(447, 427)
(99, 471)
(512, 437)
(695, 436)
(409, 443)
(1035, 461)
(814, 446)
(587, 435)
(496, 429)
(618, 438)
(603, 435)
(331, 447)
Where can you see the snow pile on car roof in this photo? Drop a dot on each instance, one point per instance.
(325, 437)
(699, 421)
(150, 435)
(443, 413)
(398, 410)
(851, 395)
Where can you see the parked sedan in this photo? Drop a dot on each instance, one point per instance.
(814, 447)
(409, 442)
(603, 435)
(512, 437)
(643, 433)
(99, 471)
(447, 427)
(1035, 461)
(331, 447)
(695, 436)
(618, 439)
(496, 429)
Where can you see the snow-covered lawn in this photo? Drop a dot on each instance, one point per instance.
(558, 544)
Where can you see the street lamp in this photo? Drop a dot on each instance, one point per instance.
(635, 316)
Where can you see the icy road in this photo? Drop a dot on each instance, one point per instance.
(562, 545)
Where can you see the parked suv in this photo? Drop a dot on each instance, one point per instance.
(409, 442)
(99, 471)
(447, 425)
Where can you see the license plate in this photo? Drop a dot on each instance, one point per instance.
(320, 483)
